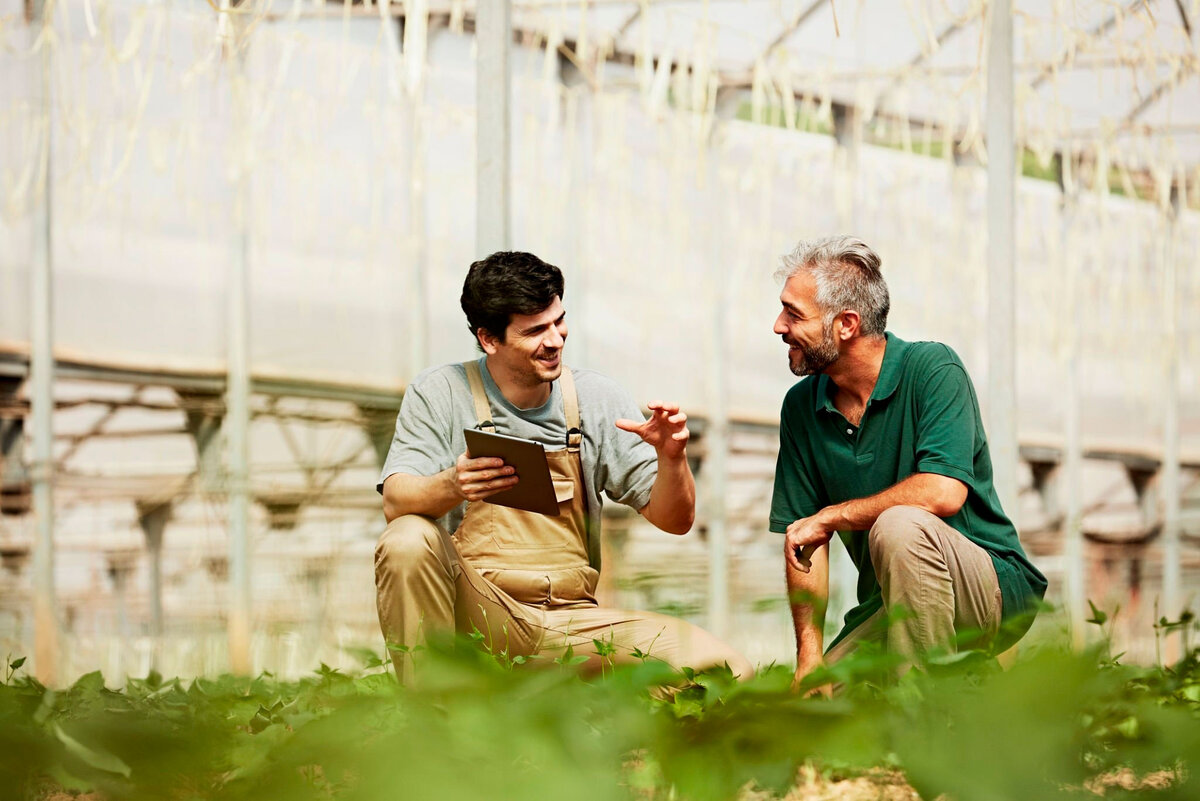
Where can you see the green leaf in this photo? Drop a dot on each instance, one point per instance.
(101, 760)
(569, 658)
(367, 657)
(89, 683)
(1098, 616)
(1129, 727)
(604, 648)
(16, 663)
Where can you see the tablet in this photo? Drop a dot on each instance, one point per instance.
(535, 490)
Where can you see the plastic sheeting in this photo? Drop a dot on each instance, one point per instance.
(362, 169)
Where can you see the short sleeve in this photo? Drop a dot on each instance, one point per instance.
(628, 466)
(795, 495)
(946, 424)
(421, 444)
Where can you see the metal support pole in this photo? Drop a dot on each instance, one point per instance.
(716, 460)
(153, 517)
(1170, 482)
(715, 475)
(41, 370)
(203, 414)
(848, 133)
(1001, 172)
(580, 139)
(418, 312)
(1073, 555)
(414, 142)
(493, 38)
(237, 393)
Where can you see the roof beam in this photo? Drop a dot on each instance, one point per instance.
(1187, 25)
(1186, 71)
(628, 23)
(84, 369)
(96, 428)
(1066, 56)
(916, 61)
(791, 28)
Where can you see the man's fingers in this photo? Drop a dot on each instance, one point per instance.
(477, 476)
(677, 418)
(803, 557)
(629, 425)
(490, 486)
(468, 464)
(486, 489)
(796, 564)
(799, 557)
(488, 475)
(803, 562)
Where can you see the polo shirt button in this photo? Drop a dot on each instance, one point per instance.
(849, 430)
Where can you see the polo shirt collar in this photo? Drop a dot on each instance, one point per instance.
(889, 371)
(885, 385)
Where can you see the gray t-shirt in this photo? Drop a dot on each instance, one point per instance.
(437, 406)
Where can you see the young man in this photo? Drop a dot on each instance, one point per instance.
(882, 442)
(527, 581)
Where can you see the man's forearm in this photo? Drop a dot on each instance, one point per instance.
(937, 494)
(672, 505)
(808, 596)
(432, 496)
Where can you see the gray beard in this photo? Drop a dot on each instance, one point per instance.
(818, 358)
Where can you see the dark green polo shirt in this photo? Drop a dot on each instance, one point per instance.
(922, 417)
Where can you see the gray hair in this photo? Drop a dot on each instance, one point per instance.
(848, 278)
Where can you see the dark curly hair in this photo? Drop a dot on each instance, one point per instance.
(504, 284)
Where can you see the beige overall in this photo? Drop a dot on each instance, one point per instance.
(522, 579)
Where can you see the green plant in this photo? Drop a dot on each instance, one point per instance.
(485, 726)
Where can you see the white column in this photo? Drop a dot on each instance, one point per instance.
(493, 38)
(1001, 169)
(716, 454)
(1170, 468)
(848, 133)
(237, 391)
(1074, 569)
(41, 373)
(583, 143)
(418, 312)
(152, 517)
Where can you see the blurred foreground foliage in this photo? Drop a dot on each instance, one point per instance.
(483, 728)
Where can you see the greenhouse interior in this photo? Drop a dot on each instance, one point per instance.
(232, 232)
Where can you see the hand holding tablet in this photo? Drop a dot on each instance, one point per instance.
(535, 490)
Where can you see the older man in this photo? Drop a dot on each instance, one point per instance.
(882, 443)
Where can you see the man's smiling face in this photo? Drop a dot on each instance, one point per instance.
(811, 343)
(531, 352)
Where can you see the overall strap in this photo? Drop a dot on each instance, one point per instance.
(571, 410)
(483, 410)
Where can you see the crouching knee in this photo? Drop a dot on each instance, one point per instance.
(896, 529)
(713, 652)
(741, 667)
(408, 542)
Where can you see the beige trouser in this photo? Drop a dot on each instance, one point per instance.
(424, 586)
(945, 584)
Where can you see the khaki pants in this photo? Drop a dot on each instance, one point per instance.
(946, 584)
(424, 585)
